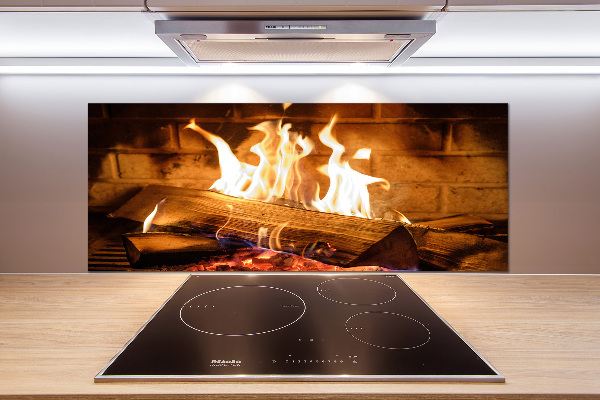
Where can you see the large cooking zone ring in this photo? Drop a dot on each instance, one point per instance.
(356, 291)
(242, 310)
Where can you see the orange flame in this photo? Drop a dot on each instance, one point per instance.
(234, 174)
(347, 194)
(150, 217)
(362, 154)
(278, 174)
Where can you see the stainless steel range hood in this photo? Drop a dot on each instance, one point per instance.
(387, 42)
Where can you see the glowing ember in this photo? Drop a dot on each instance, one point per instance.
(278, 174)
(268, 260)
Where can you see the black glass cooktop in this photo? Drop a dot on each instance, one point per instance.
(341, 327)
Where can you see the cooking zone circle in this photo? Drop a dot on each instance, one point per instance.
(242, 310)
(356, 291)
(388, 330)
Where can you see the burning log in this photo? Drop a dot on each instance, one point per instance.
(150, 250)
(330, 238)
(315, 235)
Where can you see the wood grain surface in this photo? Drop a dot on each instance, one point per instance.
(542, 332)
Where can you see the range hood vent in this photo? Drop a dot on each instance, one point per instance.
(388, 42)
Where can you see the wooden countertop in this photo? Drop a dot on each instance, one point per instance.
(542, 332)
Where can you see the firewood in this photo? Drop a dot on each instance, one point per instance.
(155, 249)
(472, 225)
(330, 238)
(460, 223)
(454, 251)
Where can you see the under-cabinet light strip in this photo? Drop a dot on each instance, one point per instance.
(414, 66)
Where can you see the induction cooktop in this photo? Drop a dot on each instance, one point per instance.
(287, 327)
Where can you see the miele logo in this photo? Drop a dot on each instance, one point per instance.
(225, 363)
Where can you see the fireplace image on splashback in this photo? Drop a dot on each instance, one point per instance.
(298, 187)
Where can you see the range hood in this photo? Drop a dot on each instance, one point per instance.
(387, 42)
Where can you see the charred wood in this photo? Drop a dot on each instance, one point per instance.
(455, 251)
(473, 225)
(155, 249)
(330, 238)
(460, 223)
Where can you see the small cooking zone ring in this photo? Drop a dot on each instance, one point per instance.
(242, 310)
(356, 291)
(388, 330)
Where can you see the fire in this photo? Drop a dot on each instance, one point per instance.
(233, 177)
(401, 217)
(278, 174)
(347, 194)
(150, 218)
(362, 154)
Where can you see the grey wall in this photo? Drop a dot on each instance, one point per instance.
(554, 187)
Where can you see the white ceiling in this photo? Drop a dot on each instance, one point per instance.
(459, 34)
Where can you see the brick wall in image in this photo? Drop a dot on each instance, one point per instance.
(440, 159)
